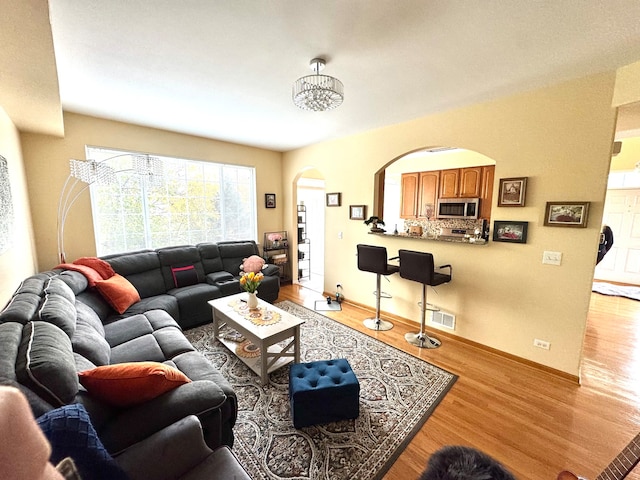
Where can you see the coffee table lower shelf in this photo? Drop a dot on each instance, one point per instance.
(255, 363)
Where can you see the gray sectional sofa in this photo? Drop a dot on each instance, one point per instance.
(55, 326)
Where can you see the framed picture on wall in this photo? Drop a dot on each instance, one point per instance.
(270, 200)
(512, 192)
(357, 212)
(566, 214)
(333, 199)
(510, 231)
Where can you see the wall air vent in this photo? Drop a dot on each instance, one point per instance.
(444, 319)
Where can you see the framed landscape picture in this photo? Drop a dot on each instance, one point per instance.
(510, 231)
(512, 192)
(567, 214)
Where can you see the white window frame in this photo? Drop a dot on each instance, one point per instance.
(137, 228)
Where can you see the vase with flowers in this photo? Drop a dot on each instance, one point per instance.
(275, 239)
(250, 282)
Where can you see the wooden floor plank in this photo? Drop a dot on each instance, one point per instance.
(534, 422)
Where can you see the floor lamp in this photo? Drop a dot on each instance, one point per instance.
(84, 173)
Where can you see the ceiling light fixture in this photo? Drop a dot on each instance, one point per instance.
(318, 92)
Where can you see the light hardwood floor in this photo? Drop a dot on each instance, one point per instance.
(534, 422)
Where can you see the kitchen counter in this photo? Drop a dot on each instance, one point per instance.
(441, 238)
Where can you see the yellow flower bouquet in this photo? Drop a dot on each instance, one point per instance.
(251, 281)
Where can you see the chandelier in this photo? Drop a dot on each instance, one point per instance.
(84, 173)
(318, 92)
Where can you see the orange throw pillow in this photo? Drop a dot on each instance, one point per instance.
(105, 270)
(128, 384)
(119, 292)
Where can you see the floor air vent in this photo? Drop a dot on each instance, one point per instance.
(445, 319)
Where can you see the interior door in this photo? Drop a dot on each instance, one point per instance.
(622, 214)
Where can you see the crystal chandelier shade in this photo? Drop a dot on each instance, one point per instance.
(91, 171)
(84, 173)
(149, 168)
(318, 92)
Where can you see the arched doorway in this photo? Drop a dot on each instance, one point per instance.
(310, 194)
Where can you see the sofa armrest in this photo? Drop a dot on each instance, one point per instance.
(132, 425)
(270, 270)
(167, 454)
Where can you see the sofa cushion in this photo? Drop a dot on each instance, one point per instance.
(88, 339)
(192, 302)
(142, 269)
(119, 292)
(181, 266)
(128, 384)
(158, 302)
(71, 434)
(21, 308)
(45, 363)
(234, 252)
(210, 257)
(58, 306)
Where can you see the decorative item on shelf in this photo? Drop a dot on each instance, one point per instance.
(275, 239)
(250, 283)
(84, 173)
(374, 222)
(318, 92)
(415, 230)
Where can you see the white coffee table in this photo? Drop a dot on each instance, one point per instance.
(269, 326)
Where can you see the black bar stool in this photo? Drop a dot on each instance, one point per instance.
(419, 267)
(374, 259)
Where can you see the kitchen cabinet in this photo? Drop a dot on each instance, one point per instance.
(419, 189)
(486, 193)
(470, 182)
(428, 195)
(449, 183)
(409, 190)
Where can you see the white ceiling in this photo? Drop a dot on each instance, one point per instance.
(224, 68)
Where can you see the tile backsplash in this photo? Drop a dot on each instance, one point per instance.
(432, 227)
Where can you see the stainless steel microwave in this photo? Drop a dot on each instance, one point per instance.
(463, 208)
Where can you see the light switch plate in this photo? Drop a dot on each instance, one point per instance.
(552, 258)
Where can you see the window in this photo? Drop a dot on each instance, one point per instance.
(195, 202)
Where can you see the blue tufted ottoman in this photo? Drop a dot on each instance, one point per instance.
(322, 392)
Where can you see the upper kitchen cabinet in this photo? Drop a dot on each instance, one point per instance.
(409, 189)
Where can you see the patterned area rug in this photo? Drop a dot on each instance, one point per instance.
(398, 392)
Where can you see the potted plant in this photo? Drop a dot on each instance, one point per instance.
(375, 222)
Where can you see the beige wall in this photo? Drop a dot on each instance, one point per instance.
(47, 166)
(19, 260)
(628, 156)
(501, 293)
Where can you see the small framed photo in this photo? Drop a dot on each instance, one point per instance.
(357, 212)
(270, 200)
(334, 200)
(566, 214)
(512, 192)
(510, 231)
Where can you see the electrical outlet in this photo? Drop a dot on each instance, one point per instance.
(541, 344)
